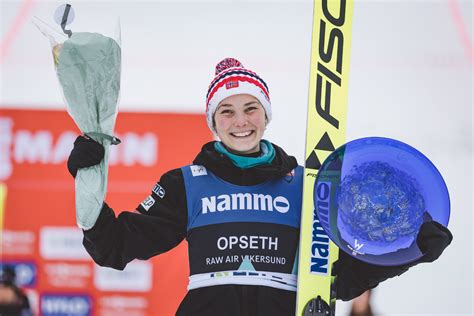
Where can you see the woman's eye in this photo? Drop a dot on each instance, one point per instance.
(226, 112)
(251, 108)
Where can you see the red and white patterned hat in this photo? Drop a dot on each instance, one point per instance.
(232, 78)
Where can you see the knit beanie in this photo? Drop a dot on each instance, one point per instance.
(232, 78)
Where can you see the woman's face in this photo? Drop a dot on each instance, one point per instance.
(240, 123)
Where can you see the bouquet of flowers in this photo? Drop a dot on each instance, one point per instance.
(88, 67)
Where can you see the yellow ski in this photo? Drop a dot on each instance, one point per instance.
(327, 108)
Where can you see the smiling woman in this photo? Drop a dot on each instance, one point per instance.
(238, 206)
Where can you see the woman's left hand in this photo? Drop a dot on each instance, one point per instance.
(354, 276)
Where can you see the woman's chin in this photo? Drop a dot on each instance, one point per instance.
(242, 149)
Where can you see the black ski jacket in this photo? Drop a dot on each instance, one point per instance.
(113, 242)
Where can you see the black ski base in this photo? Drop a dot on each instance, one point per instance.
(317, 307)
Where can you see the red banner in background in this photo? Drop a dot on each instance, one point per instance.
(40, 237)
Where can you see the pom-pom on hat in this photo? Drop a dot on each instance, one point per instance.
(232, 78)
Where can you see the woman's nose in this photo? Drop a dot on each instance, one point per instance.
(241, 119)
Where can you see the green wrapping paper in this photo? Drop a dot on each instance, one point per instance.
(88, 70)
(88, 67)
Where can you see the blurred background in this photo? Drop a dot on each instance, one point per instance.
(411, 78)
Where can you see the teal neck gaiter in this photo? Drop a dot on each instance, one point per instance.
(243, 162)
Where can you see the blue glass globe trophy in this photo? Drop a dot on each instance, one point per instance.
(373, 194)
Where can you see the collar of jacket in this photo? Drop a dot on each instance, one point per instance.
(267, 154)
(223, 167)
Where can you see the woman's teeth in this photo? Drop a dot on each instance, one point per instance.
(242, 134)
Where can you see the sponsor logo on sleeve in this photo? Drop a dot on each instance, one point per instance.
(158, 190)
(198, 170)
(148, 202)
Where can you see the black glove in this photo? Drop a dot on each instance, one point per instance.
(86, 153)
(432, 239)
(354, 277)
